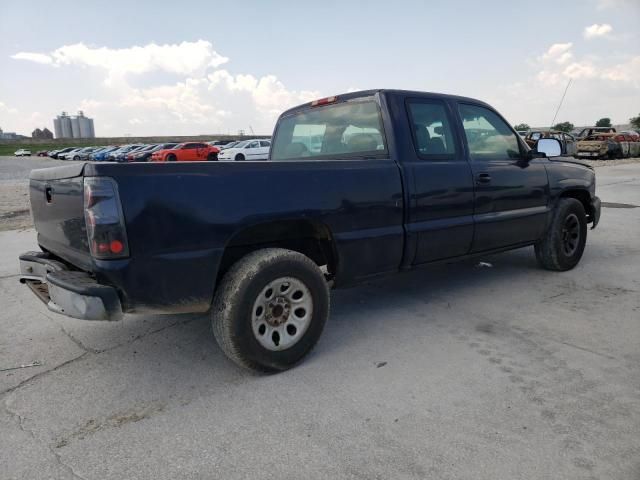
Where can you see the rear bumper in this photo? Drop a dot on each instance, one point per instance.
(595, 211)
(71, 293)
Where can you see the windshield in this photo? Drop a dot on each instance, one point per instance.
(344, 130)
(241, 144)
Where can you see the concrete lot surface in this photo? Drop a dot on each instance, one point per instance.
(458, 371)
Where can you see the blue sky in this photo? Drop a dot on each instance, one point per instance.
(144, 68)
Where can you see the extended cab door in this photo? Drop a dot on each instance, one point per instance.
(440, 218)
(511, 191)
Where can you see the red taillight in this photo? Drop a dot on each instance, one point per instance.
(104, 219)
(324, 101)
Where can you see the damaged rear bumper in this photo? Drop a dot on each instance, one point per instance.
(72, 293)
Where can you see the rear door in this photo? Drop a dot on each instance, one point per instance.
(511, 192)
(252, 150)
(440, 223)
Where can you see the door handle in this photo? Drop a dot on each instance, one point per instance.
(483, 178)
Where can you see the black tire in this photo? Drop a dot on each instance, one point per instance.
(239, 290)
(171, 157)
(239, 157)
(212, 157)
(563, 244)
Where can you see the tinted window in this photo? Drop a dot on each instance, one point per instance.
(264, 143)
(431, 129)
(488, 136)
(342, 130)
(253, 145)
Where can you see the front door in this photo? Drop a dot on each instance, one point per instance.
(511, 191)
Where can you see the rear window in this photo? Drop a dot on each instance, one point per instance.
(340, 131)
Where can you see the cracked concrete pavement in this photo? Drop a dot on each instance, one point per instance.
(455, 371)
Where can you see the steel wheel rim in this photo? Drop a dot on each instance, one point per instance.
(570, 234)
(281, 313)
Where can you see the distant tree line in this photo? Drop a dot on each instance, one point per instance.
(568, 126)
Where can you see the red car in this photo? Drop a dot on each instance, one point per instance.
(42, 153)
(187, 152)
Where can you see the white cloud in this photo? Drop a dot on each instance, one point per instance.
(558, 52)
(596, 30)
(33, 57)
(205, 99)
(7, 109)
(183, 58)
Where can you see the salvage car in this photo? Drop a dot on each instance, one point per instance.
(600, 146)
(589, 131)
(22, 152)
(259, 244)
(567, 141)
(187, 152)
(42, 153)
(247, 150)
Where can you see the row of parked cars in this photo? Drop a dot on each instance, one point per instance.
(591, 142)
(255, 149)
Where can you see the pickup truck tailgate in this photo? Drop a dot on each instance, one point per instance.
(57, 205)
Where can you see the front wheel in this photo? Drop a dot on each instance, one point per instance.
(239, 157)
(563, 244)
(270, 309)
(171, 157)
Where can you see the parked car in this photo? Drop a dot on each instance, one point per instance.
(70, 154)
(259, 245)
(602, 146)
(567, 141)
(102, 155)
(228, 145)
(119, 154)
(522, 133)
(22, 152)
(55, 153)
(589, 131)
(82, 154)
(144, 155)
(42, 153)
(247, 150)
(187, 152)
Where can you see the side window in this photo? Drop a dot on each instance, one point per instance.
(264, 143)
(488, 136)
(253, 145)
(190, 146)
(432, 132)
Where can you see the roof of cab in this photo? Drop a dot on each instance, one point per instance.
(405, 93)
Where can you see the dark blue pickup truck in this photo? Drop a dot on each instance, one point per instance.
(356, 186)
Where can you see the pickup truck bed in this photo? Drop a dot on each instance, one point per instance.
(400, 180)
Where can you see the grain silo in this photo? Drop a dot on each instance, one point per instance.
(85, 126)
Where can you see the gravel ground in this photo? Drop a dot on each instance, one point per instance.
(495, 370)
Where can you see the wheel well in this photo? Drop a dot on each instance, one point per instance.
(309, 238)
(583, 197)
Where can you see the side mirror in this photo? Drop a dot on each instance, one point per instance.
(549, 146)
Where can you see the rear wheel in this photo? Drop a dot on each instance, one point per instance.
(563, 244)
(270, 309)
(171, 157)
(212, 157)
(239, 157)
